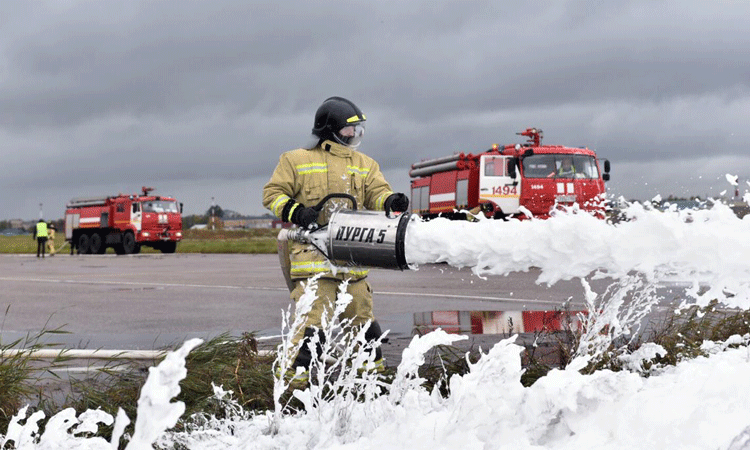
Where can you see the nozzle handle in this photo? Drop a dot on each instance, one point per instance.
(350, 197)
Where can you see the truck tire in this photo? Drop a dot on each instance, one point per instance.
(96, 245)
(128, 243)
(83, 244)
(168, 247)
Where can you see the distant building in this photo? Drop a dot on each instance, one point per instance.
(740, 208)
(14, 232)
(684, 204)
(264, 221)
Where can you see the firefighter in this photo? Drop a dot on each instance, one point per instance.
(473, 214)
(40, 234)
(301, 179)
(566, 169)
(51, 239)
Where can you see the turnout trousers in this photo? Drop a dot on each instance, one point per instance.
(359, 310)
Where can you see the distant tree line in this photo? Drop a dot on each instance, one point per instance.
(7, 224)
(202, 219)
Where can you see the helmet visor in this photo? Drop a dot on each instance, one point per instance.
(351, 135)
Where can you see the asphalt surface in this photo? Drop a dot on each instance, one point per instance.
(156, 302)
(151, 301)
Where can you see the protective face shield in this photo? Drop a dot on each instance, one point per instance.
(333, 119)
(350, 135)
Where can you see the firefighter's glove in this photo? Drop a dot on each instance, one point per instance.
(305, 217)
(396, 203)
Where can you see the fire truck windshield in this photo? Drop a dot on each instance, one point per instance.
(160, 206)
(560, 166)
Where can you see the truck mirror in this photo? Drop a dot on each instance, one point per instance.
(181, 205)
(605, 176)
(606, 166)
(512, 167)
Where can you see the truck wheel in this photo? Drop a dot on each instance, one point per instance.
(128, 243)
(168, 247)
(96, 245)
(83, 244)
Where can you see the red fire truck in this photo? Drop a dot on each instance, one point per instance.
(124, 222)
(516, 180)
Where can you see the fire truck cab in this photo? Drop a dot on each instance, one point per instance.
(514, 181)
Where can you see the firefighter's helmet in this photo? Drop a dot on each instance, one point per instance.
(340, 120)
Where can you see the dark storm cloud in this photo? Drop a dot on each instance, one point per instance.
(141, 58)
(180, 92)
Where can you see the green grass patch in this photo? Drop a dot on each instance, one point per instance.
(261, 240)
(20, 244)
(228, 241)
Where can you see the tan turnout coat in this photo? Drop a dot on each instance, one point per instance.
(309, 175)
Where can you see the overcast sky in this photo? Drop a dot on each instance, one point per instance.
(199, 99)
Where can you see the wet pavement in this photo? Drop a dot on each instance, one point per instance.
(155, 301)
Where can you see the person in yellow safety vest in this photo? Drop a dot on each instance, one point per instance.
(566, 169)
(40, 234)
(330, 164)
(51, 239)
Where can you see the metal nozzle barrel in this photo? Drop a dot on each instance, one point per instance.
(358, 238)
(296, 235)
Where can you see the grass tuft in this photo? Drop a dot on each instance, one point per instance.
(21, 380)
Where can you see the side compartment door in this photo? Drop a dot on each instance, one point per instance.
(71, 223)
(136, 215)
(496, 184)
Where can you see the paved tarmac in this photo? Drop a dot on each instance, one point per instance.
(140, 301)
(153, 301)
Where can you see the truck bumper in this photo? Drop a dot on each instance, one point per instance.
(156, 236)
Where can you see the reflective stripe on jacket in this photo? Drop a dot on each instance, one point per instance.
(309, 175)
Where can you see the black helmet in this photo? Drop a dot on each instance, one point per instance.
(335, 114)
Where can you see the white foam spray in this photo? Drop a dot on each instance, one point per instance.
(699, 403)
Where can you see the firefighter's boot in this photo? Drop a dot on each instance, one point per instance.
(298, 378)
(295, 379)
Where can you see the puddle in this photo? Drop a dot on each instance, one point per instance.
(483, 322)
(471, 323)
